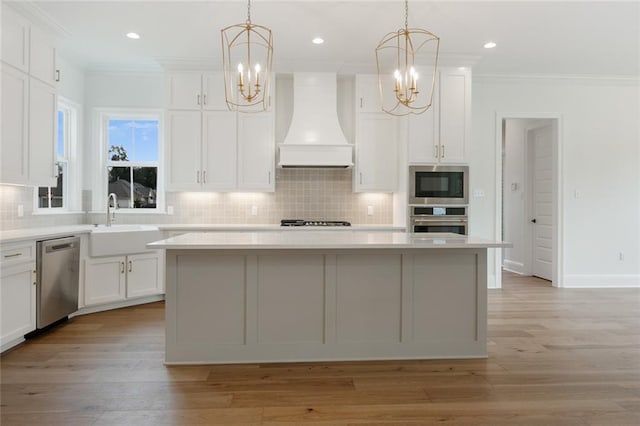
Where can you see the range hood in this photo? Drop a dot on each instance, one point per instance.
(315, 138)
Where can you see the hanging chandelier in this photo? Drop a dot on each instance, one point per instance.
(403, 57)
(247, 50)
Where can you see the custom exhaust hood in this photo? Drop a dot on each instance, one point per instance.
(315, 138)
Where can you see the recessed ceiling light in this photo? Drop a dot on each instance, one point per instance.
(134, 36)
(317, 40)
(489, 45)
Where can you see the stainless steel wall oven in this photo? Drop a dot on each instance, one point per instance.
(439, 219)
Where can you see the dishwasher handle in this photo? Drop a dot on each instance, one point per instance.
(61, 244)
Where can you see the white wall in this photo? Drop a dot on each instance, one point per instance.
(600, 159)
(114, 90)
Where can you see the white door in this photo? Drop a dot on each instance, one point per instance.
(183, 130)
(542, 202)
(219, 157)
(105, 280)
(376, 153)
(256, 151)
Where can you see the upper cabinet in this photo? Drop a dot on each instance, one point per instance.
(195, 91)
(376, 140)
(210, 148)
(440, 134)
(29, 103)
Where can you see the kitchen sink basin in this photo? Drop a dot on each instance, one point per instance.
(121, 239)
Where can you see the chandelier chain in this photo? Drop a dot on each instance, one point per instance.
(248, 11)
(406, 14)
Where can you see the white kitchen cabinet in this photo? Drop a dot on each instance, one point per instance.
(15, 39)
(15, 125)
(17, 292)
(210, 148)
(42, 57)
(376, 153)
(368, 93)
(144, 274)
(376, 141)
(29, 103)
(105, 280)
(195, 91)
(117, 278)
(43, 105)
(440, 134)
(256, 152)
(201, 150)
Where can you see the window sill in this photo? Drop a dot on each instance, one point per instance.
(48, 212)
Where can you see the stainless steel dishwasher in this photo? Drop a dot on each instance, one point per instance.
(58, 275)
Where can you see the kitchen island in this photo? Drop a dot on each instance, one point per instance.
(307, 296)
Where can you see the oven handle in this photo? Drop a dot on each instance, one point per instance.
(422, 221)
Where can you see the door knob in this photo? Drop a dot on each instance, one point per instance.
(533, 221)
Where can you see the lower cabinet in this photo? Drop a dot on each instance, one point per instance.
(17, 301)
(117, 278)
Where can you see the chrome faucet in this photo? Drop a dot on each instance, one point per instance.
(111, 216)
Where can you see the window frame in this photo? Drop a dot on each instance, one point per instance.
(103, 116)
(69, 161)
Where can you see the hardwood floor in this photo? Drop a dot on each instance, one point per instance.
(556, 357)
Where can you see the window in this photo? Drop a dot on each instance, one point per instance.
(57, 197)
(132, 158)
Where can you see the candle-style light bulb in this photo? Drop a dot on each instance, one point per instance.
(240, 72)
(257, 68)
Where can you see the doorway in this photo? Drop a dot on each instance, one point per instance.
(529, 196)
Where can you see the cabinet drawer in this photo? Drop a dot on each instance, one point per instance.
(15, 253)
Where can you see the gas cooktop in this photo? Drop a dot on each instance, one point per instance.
(301, 222)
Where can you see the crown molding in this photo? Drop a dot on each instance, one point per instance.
(39, 17)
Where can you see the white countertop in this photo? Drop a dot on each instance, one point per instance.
(320, 240)
(42, 233)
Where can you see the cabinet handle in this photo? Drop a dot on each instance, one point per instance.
(269, 181)
(269, 100)
(204, 99)
(6, 256)
(204, 176)
(360, 178)
(198, 176)
(198, 99)
(130, 266)
(122, 267)
(441, 151)
(57, 75)
(360, 102)
(435, 151)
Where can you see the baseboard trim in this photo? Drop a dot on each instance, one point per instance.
(515, 267)
(122, 304)
(601, 281)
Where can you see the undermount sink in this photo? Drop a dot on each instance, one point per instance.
(121, 239)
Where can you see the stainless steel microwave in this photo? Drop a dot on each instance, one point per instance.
(438, 185)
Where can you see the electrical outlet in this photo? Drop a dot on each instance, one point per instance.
(254, 210)
(369, 210)
(621, 256)
(20, 210)
(169, 209)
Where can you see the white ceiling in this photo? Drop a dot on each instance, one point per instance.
(535, 37)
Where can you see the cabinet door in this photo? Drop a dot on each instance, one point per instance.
(368, 93)
(15, 39)
(42, 57)
(15, 113)
(144, 276)
(183, 150)
(43, 104)
(423, 130)
(219, 141)
(184, 91)
(376, 153)
(256, 152)
(17, 302)
(104, 280)
(455, 114)
(213, 92)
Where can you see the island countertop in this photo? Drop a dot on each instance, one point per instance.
(321, 240)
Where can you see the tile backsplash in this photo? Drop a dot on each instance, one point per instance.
(300, 194)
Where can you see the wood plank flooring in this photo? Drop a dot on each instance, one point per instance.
(556, 357)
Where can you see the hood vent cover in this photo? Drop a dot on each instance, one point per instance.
(315, 138)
